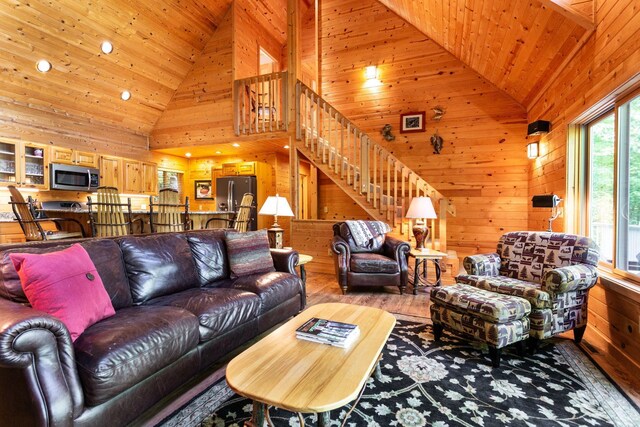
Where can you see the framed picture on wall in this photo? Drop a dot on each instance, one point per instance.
(412, 122)
(203, 189)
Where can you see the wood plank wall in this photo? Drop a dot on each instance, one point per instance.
(610, 58)
(249, 36)
(483, 165)
(200, 111)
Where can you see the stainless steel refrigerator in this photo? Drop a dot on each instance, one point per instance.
(229, 192)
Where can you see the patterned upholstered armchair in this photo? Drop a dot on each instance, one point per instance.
(553, 271)
(381, 261)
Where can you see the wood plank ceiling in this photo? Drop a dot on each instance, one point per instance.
(515, 44)
(156, 43)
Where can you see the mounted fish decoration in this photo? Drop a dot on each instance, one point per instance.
(438, 112)
(386, 133)
(437, 142)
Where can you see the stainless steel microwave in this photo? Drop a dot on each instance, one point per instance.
(74, 178)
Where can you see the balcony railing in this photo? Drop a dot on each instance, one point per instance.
(260, 104)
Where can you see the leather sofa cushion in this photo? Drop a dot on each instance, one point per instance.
(273, 288)
(105, 254)
(373, 263)
(374, 245)
(119, 352)
(210, 255)
(158, 265)
(218, 310)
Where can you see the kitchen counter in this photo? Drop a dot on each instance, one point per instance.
(145, 211)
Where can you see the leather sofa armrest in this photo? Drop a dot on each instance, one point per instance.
(40, 345)
(570, 278)
(482, 264)
(340, 248)
(285, 260)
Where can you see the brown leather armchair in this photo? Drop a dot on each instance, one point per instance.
(383, 262)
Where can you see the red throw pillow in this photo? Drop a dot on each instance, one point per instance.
(64, 284)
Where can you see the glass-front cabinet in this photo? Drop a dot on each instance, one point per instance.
(23, 164)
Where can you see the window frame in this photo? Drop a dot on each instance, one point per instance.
(578, 176)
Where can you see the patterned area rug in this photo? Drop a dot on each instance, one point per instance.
(451, 383)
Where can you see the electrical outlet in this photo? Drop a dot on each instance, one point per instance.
(329, 252)
(326, 209)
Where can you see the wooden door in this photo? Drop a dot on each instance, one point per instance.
(149, 178)
(111, 172)
(85, 158)
(132, 177)
(62, 155)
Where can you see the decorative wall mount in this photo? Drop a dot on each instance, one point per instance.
(437, 142)
(386, 133)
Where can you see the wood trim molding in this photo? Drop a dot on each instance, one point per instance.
(581, 15)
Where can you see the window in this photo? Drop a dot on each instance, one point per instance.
(610, 162)
(170, 179)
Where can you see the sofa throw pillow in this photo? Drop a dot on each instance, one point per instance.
(64, 284)
(248, 253)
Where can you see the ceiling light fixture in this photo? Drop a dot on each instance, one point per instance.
(286, 147)
(187, 154)
(43, 66)
(125, 95)
(235, 144)
(218, 152)
(371, 72)
(106, 47)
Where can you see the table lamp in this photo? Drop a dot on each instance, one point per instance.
(420, 209)
(276, 206)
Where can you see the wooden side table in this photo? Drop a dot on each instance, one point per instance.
(421, 257)
(302, 260)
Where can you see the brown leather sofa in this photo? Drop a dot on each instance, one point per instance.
(177, 312)
(383, 262)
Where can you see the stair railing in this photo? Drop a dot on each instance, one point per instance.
(343, 151)
(260, 104)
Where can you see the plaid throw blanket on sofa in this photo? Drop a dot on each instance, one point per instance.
(363, 231)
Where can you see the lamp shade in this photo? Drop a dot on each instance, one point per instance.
(421, 207)
(276, 205)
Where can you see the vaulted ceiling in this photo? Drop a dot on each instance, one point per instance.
(515, 44)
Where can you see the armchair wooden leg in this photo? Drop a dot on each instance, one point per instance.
(494, 354)
(521, 348)
(578, 333)
(344, 290)
(437, 331)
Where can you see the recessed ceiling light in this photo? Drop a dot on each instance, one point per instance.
(286, 147)
(187, 154)
(125, 95)
(106, 47)
(218, 152)
(43, 66)
(235, 144)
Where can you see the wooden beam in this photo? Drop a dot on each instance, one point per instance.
(579, 11)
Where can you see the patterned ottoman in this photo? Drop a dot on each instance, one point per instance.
(498, 320)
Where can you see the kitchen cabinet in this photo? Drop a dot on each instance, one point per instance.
(149, 178)
(24, 164)
(111, 171)
(132, 182)
(74, 157)
(242, 168)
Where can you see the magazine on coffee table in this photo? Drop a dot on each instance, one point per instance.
(330, 332)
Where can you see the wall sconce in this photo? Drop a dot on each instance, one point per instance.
(538, 127)
(371, 72)
(533, 150)
(548, 201)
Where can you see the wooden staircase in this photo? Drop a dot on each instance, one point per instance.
(377, 181)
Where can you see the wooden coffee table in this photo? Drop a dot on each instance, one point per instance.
(301, 376)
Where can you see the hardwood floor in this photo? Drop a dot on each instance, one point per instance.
(324, 288)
